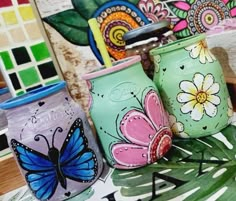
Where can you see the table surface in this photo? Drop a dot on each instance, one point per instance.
(194, 169)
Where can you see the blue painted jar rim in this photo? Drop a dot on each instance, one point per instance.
(4, 90)
(177, 44)
(33, 95)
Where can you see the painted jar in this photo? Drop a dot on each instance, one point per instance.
(192, 87)
(128, 114)
(52, 142)
(141, 40)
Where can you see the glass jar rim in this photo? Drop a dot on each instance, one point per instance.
(184, 42)
(33, 95)
(117, 66)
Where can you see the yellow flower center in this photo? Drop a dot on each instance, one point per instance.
(201, 97)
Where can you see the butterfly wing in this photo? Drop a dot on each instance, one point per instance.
(78, 162)
(41, 174)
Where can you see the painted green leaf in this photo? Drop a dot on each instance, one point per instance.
(71, 25)
(194, 169)
(179, 13)
(87, 8)
(183, 33)
(231, 4)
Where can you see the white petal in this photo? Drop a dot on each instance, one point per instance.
(209, 56)
(185, 97)
(215, 88)
(196, 51)
(177, 127)
(172, 119)
(189, 48)
(198, 80)
(188, 107)
(208, 81)
(197, 112)
(188, 87)
(211, 110)
(202, 57)
(213, 99)
(183, 135)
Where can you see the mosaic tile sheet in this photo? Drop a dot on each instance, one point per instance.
(23, 49)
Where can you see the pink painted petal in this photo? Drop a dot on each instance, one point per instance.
(137, 128)
(182, 5)
(154, 109)
(182, 24)
(225, 1)
(129, 155)
(233, 12)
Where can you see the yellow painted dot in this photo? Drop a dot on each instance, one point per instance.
(26, 13)
(9, 17)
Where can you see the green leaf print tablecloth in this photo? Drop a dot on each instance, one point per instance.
(194, 169)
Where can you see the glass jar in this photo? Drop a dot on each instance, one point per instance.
(128, 114)
(52, 142)
(141, 40)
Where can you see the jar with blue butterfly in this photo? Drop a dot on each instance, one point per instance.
(52, 142)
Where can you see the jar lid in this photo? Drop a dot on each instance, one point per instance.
(145, 29)
(33, 95)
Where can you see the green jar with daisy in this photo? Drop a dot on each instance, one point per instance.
(192, 87)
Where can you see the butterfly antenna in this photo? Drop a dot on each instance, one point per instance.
(37, 138)
(59, 129)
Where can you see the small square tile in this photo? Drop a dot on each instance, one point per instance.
(26, 13)
(3, 142)
(32, 88)
(47, 70)
(4, 41)
(21, 55)
(29, 76)
(18, 93)
(23, 1)
(17, 35)
(40, 51)
(7, 60)
(15, 81)
(33, 31)
(9, 17)
(5, 3)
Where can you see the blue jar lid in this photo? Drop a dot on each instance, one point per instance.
(4, 90)
(33, 95)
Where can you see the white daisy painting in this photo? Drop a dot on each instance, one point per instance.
(199, 96)
(177, 127)
(200, 50)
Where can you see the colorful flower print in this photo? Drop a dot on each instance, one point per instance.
(177, 127)
(148, 137)
(198, 16)
(154, 12)
(199, 97)
(201, 51)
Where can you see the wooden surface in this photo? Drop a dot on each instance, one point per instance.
(10, 177)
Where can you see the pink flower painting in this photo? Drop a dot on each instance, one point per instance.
(147, 133)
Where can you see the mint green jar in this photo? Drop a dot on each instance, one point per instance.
(192, 87)
(128, 114)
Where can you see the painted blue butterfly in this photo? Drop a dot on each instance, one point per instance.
(75, 161)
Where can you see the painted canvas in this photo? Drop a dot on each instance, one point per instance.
(23, 49)
(72, 41)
